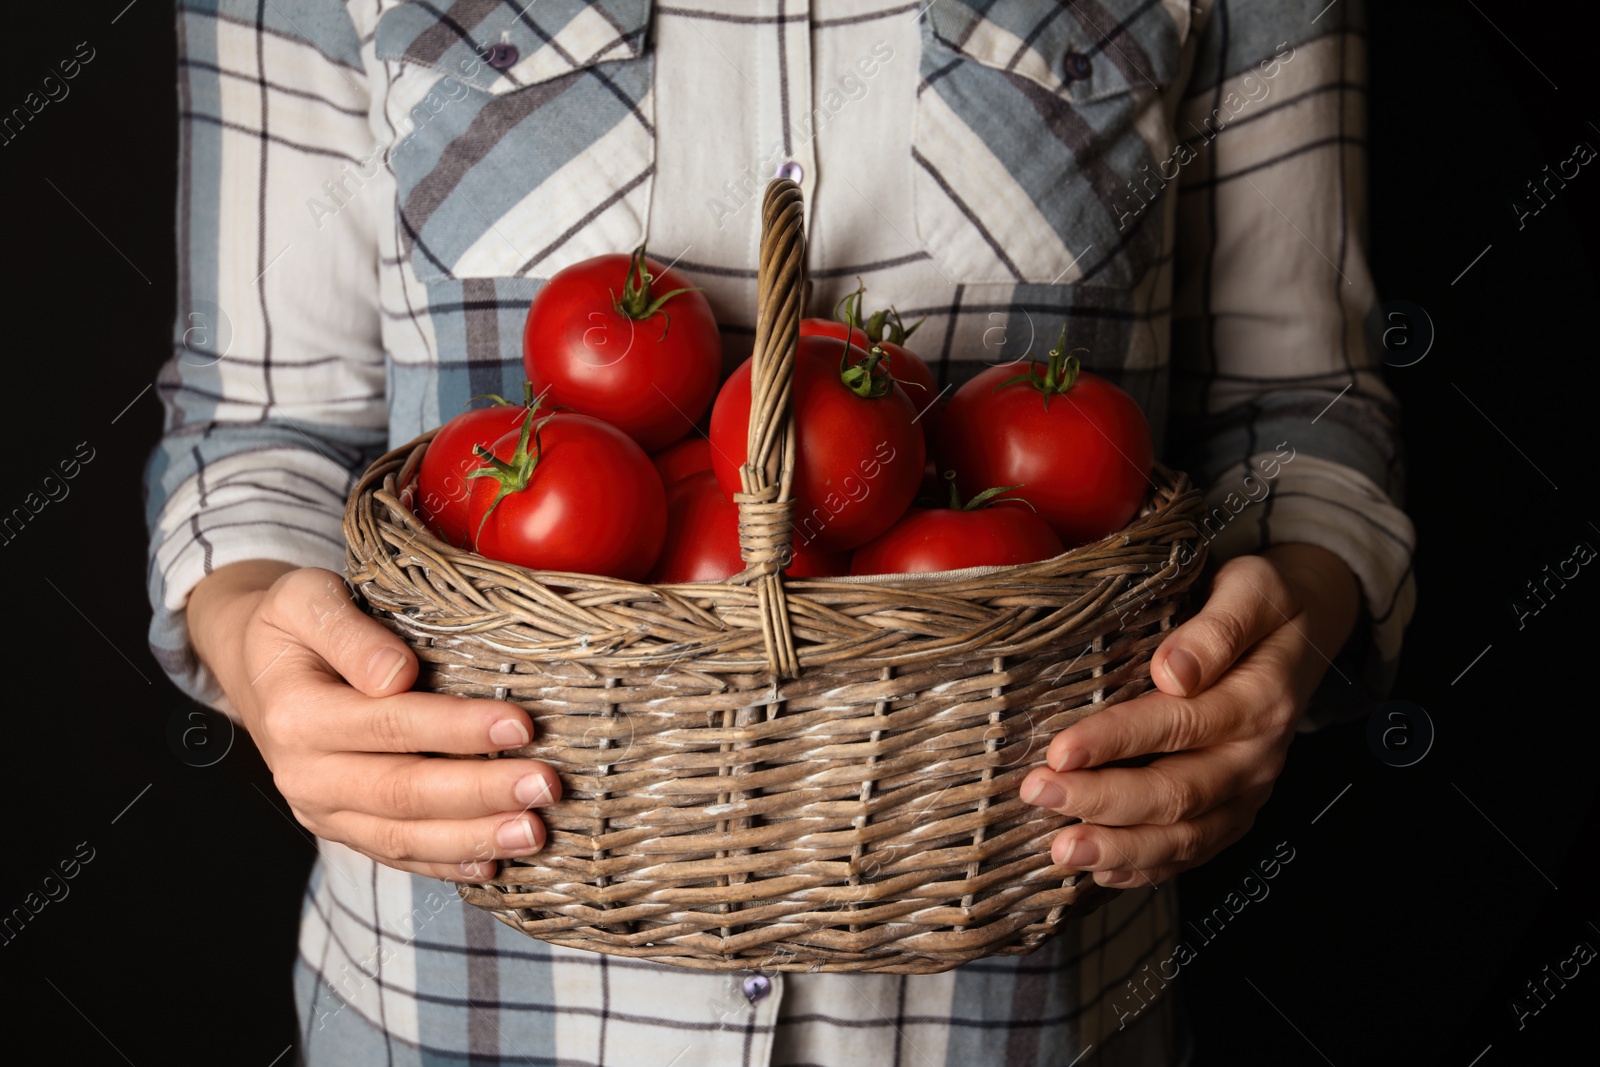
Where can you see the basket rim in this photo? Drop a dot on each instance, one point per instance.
(605, 623)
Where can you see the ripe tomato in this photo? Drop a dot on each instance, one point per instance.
(703, 539)
(683, 459)
(580, 496)
(948, 539)
(442, 486)
(859, 454)
(885, 330)
(1080, 445)
(605, 343)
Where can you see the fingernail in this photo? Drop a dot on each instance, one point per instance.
(1183, 669)
(517, 837)
(385, 664)
(533, 791)
(1110, 878)
(1079, 853)
(477, 870)
(1071, 760)
(1044, 794)
(509, 733)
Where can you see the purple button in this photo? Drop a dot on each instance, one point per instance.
(503, 56)
(756, 988)
(1076, 66)
(791, 170)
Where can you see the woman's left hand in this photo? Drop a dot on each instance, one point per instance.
(1232, 683)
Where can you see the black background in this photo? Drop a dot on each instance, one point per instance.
(1417, 904)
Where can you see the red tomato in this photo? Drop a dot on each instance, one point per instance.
(647, 361)
(859, 458)
(703, 539)
(948, 539)
(443, 489)
(683, 459)
(579, 495)
(1078, 447)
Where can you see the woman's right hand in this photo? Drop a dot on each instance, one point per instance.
(323, 690)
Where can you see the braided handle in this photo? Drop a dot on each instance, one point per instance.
(766, 506)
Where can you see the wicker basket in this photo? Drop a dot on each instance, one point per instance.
(776, 774)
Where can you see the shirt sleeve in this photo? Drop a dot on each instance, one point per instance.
(1280, 408)
(274, 396)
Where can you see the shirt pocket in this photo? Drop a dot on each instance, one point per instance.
(1037, 135)
(524, 136)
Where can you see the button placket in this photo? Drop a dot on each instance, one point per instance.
(763, 991)
(789, 125)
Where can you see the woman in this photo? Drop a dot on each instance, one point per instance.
(372, 192)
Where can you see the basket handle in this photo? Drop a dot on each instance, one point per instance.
(766, 506)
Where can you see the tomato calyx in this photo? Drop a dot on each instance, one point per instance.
(513, 474)
(885, 325)
(983, 499)
(1060, 373)
(868, 377)
(636, 302)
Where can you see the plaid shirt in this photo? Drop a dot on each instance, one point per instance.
(371, 192)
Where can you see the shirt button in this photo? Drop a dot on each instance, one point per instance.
(1076, 66)
(503, 56)
(757, 986)
(795, 173)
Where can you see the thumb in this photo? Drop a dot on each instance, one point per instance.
(313, 607)
(1249, 599)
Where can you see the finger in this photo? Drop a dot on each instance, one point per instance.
(1249, 599)
(313, 607)
(1151, 852)
(323, 714)
(419, 787)
(1170, 790)
(1149, 723)
(447, 841)
(1256, 700)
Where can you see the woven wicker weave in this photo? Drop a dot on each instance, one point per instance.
(779, 774)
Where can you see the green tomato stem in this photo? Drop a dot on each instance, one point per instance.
(983, 499)
(513, 474)
(1060, 372)
(868, 378)
(636, 301)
